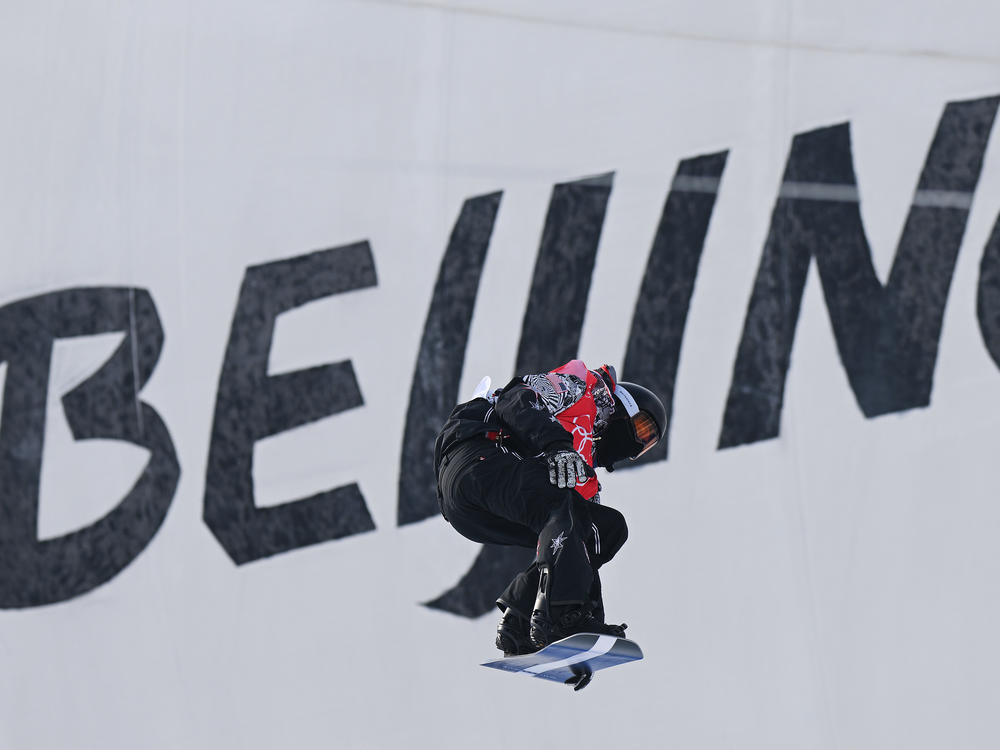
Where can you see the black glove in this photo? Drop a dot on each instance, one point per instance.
(567, 468)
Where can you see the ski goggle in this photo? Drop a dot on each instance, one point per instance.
(646, 431)
(643, 425)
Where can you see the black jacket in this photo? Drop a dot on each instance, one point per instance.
(516, 412)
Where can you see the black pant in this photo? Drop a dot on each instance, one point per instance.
(494, 496)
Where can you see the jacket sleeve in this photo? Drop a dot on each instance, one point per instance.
(524, 414)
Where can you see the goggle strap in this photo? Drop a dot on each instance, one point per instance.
(609, 376)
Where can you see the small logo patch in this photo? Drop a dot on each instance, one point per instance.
(558, 542)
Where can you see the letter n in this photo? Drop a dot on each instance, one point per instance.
(887, 335)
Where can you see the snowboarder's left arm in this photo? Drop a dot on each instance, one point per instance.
(523, 413)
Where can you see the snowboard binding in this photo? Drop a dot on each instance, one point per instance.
(547, 626)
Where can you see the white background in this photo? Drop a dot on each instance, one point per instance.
(832, 588)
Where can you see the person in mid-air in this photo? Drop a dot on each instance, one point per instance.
(516, 465)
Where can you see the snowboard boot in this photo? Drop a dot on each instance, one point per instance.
(512, 634)
(541, 630)
(575, 620)
(550, 624)
(548, 628)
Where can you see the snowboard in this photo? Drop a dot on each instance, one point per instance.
(572, 660)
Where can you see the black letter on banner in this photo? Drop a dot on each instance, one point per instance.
(105, 406)
(560, 285)
(252, 405)
(436, 376)
(654, 342)
(888, 335)
(550, 335)
(988, 299)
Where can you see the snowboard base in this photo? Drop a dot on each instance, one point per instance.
(572, 660)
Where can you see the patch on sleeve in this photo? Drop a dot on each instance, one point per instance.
(557, 391)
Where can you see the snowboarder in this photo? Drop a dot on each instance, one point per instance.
(515, 466)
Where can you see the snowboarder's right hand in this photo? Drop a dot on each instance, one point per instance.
(567, 468)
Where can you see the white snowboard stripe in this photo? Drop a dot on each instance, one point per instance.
(602, 646)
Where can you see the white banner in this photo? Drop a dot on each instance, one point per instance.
(254, 252)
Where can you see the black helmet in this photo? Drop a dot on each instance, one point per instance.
(639, 422)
